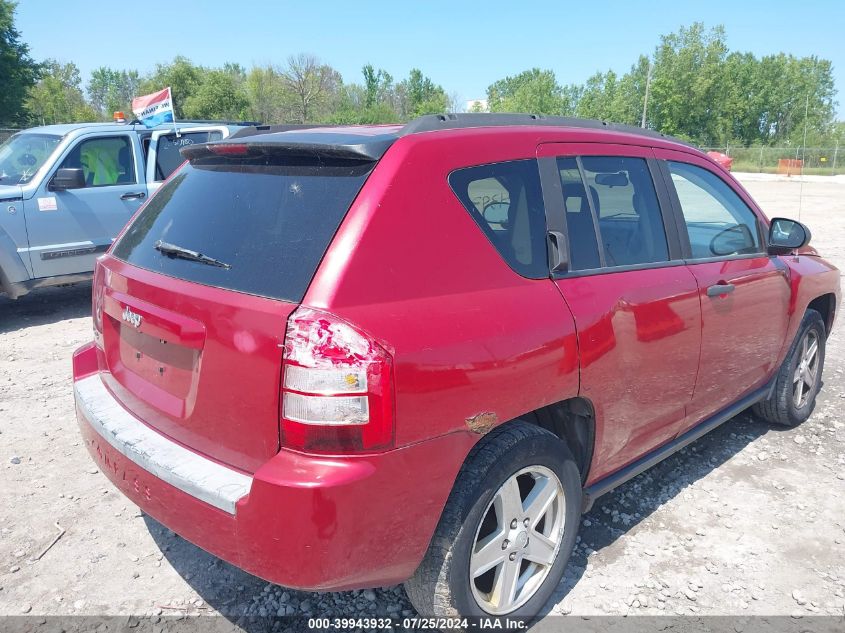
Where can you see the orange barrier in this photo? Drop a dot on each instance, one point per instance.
(790, 166)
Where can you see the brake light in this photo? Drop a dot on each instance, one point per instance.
(337, 387)
(229, 149)
(97, 289)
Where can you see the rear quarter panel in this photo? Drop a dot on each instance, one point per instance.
(410, 266)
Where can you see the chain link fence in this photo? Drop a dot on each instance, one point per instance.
(785, 160)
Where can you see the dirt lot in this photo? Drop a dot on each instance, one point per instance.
(747, 521)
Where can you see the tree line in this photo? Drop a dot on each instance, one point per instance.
(697, 90)
(691, 86)
(303, 90)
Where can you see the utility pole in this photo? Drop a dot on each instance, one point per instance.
(645, 101)
(804, 143)
(835, 152)
(804, 148)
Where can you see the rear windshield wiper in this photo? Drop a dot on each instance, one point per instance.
(171, 250)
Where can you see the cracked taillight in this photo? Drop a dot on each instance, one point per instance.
(337, 393)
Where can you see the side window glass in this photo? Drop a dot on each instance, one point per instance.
(168, 157)
(506, 202)
(105, 161)
(629, 217)
(583, 246)
(617, 192)
(718, 222)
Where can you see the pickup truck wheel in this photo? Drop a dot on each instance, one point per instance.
(799, 379)
(507, 530)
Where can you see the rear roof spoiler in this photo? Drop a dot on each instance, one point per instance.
(299, 141)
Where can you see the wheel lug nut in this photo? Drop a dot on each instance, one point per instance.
(513, 524)
(512, 556)
(505, 544)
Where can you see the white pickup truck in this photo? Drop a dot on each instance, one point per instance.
(67, 190)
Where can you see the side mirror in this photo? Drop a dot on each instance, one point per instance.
(68, 178)
(786, 236)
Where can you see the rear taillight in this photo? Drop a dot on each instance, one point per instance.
(337, 389)
(97, 290)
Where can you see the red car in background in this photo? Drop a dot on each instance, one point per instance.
(349, 357)
(722, 159)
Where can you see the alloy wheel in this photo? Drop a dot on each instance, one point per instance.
(804, 378)
(517, 541)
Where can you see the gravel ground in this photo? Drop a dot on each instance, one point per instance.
(747, 521)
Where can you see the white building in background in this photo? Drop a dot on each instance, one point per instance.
(477, 105)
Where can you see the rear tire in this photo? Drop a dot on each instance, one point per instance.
(518, 469)
(799, 379)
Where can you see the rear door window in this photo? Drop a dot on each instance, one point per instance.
(611, 212)
(506, 201)
(630, 221)
(269, 219)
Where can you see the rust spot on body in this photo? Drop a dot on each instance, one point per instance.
(482, 422)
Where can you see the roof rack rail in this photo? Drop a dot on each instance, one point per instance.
(433, 122)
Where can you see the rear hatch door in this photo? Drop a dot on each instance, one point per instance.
(196, 294)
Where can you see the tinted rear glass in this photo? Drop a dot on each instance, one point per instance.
(270, 221)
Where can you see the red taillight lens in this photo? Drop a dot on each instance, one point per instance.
(229, 149)
(97, 290)
(337, 387)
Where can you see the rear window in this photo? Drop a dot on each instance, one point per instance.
(270, 220)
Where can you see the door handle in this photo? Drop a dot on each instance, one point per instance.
(717, 290)
(138, 195)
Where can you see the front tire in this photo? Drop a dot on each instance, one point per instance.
(799, 379)
(507, 530)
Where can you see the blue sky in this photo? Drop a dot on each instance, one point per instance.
(464, 46)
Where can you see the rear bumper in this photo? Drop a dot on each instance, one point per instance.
(201, 478)
(306, 522)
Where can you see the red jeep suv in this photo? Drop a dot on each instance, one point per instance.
(347, 357)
